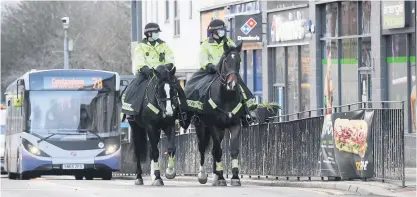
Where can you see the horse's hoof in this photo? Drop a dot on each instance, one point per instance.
(202, 178)
(235, 182)
(158, 182)
(170, 173)
(219, 183)
(139, 182)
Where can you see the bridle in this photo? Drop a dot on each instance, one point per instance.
(222, 76)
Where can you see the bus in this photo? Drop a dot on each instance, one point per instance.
(63, 122)
(3, 131)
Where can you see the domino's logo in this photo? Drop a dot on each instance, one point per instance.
(248, 26)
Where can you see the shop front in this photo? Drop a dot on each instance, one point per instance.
(245, 22)
(398, 32)
(289, 58)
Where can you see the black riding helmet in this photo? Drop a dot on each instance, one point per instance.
(151, 27)
(216, 24)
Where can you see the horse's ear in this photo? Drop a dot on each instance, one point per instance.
(225, 47)
(239, 46)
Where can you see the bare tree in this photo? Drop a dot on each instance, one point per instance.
(32, 36)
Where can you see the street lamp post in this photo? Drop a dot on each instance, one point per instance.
(65, 25)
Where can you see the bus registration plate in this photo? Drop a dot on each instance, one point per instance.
(72, 166)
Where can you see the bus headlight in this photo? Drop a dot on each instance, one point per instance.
(34, 150)
(111, 149)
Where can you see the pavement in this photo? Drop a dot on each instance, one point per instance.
(67, 186)
(370, 187)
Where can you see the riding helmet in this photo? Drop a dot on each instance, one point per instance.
(216, 24)
(151, 27)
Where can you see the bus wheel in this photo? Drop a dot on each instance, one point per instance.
(107, 175)
(89, 176)
(78, 177)
(24, 176)
(12, 175)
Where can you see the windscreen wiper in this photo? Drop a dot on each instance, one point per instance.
(45, 138)
(88, 131)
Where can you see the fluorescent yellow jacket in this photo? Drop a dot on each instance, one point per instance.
(148, 55)
(211, 52)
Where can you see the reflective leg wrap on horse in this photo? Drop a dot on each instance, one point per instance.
(218, 179)
(156, 174)
(170, 172)
(235, 181)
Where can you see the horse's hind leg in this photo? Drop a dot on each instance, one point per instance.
(170, 133)
(137, 134)
(217, 136)
(234, 152)
(203, 137)
(154, 137)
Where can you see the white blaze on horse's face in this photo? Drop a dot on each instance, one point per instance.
(168, 106)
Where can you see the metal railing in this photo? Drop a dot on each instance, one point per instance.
(291, 147)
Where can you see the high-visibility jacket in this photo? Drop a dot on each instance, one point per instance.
(211, 51)
(153, 56)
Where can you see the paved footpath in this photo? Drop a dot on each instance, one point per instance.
(363, 188)
(67, 186)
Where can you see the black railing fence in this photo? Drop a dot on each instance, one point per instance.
(290, 147)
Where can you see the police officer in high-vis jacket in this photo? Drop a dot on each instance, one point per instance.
(149, 54)
(152, 51)
(211, 50)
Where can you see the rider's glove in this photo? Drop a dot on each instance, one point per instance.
(146, 71)
(210, 68)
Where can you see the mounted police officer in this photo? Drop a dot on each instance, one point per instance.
(211, 50)
(149, 54)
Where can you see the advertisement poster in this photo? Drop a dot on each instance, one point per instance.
(328, 162)
(352, 145)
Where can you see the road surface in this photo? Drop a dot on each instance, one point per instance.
(66, 186)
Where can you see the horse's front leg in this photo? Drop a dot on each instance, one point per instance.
(170, 172)
(154, 137)
(234, 152)
(217, 136)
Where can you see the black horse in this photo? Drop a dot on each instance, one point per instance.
(222, 111)
(160, 108)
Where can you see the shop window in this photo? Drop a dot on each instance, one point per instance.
(293, 82)
(366, 53)
(366, 17)
(330, 73)
(329, 14)
(249, 70)
(305, 74)
(349, 71)
(258, 71)
(278, 77)
(349, 18)
(397, 70)
(242, 67)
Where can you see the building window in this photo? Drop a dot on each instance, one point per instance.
(349, 70)
(258, 74)
(176, 19)
(166, 10)
(249, 70)
(305, 74)
(330, 73)
(330, 27)
(349, 18)
(191, 9)
(341, 80)
(293, 83)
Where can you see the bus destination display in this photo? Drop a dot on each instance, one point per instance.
(73, 83)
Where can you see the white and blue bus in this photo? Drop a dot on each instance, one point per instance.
(63, 122)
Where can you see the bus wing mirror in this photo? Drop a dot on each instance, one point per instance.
(124, 83)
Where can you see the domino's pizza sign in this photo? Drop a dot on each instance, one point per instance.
(247, 28)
